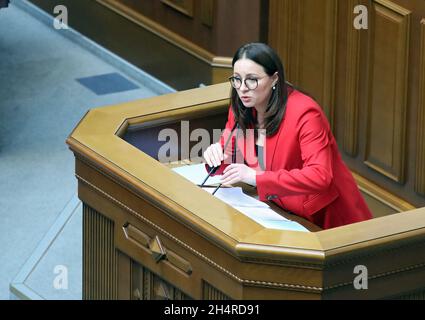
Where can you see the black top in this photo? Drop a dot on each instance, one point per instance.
(259, 150)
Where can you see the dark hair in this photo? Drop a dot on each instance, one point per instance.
(275, 111)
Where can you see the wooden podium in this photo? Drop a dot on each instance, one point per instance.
(151, 234)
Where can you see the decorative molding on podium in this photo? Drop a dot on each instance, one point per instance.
(291, 253)
(349, 260)
(379, 275)
(297, 287)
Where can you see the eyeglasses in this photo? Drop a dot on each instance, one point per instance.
(250, 83)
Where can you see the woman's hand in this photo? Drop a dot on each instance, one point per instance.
(237, 172)
(214, 155)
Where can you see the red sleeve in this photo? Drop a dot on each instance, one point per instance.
(316, 173)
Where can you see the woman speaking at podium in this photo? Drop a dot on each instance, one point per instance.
(285, 144)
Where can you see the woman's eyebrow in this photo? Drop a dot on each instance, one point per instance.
(248, 75)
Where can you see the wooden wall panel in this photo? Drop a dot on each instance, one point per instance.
(370, 82)
(352, 78)
(420, 142)
(304, 34)
(217, 26)
(207, 12)
(282, 24)
(388, 67)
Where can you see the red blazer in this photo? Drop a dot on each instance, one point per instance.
(304, 172)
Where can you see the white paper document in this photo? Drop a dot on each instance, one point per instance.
(256, 210)
(236, 198)
(197, 174)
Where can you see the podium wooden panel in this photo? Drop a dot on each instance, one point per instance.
(150, 234)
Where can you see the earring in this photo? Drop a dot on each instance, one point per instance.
(274, 87)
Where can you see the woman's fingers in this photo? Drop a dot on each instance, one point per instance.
(217, 154)
(207, 156)
(212, 155)
(231, 174)
(230, 167)
(234, 172)
(231, 179)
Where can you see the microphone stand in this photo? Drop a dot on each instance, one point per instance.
(233, 155)
(214, 169)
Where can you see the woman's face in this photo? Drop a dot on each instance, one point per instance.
(258, 97)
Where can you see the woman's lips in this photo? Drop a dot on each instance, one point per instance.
(245, 99)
